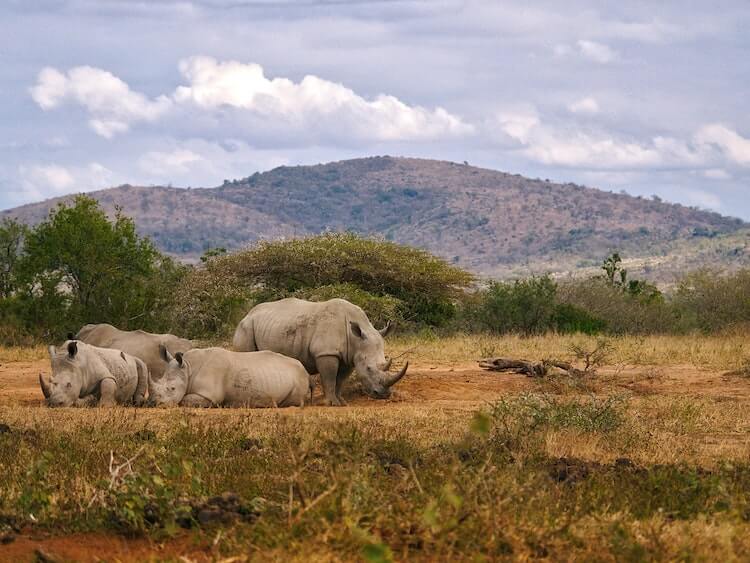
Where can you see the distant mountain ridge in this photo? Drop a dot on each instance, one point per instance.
(491, 222)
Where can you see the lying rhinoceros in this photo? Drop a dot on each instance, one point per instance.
(217, 377)
(330, 338)
(143, 345)
(84, 375)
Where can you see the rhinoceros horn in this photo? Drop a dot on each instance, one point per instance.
(45, 387)
(392, 380)
(387, 365)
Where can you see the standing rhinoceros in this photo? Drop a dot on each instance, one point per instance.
(330, 338)
(85, 375)
(217, 377)
(143, 345)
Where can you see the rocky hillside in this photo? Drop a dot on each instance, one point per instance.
(491, 222)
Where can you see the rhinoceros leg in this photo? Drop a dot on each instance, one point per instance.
(195, 401)
(107, 389)
(86, 401)
(328, 367)
(340, 378)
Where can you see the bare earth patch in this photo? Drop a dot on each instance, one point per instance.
(439, 395)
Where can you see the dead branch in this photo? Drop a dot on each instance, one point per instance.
(529, 368)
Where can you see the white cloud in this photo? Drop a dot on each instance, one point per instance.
(584, 150)
(717, 174)
(561, 50)
(518, 124)
(703, 199)
(58, 178)
(40, 181)
(563, 144)
(168, 164)
(729, 142)
(597, 52)
(313, 105)
(214, 84)
(110, 103)
(584, 105)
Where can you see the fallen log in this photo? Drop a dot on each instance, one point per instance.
(531, 369)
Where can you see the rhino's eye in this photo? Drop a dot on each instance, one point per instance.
(68, 385)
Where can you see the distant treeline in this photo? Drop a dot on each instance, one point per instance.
(79, 266)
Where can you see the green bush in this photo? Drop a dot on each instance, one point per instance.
(614, 310)
(389, 281)
(525, 306)
(379, 308)
(78, 267)
(570, 318)
(713, 302)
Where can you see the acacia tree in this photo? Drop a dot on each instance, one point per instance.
(79, 266)
(388, 280)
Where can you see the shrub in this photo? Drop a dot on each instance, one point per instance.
(616, 310)
(382, 277)
(379, 308)
(79, 267)
(713, 302)
(526, 306)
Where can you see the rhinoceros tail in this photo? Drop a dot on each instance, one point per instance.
(140, 390)
(244, 339)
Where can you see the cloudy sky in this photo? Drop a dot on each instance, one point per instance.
(647, 97)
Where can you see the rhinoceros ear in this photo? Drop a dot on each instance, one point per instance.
(178, 357)
(387, 329)
(164, 353)
(72, 349)
(356, 330)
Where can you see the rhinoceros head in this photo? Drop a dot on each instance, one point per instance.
(369, 360)
(64, 387)
(170, 388)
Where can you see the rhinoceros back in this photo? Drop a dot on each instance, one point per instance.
(301, 329)
(286, 327)
(252, 379)
(142, 345)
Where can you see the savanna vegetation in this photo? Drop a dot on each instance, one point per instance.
(80, 266)
(564, 476)
(628, 462)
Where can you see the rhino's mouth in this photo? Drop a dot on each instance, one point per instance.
(380, 394)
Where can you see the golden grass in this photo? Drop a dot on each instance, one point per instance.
(717, 352)
(665, 422)
(22, 354)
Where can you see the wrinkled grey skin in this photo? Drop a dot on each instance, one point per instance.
(84, 375)
(330, 338)
(143, 345)
(217, 377)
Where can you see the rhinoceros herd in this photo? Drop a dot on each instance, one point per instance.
(278, 346)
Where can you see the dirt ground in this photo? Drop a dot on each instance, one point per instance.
(463, 386)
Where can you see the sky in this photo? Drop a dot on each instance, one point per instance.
(645, 97)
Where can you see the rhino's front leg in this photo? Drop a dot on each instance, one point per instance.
(195, 401)
(86, 401)
(328, 367)
(340, 378)
(107, 389)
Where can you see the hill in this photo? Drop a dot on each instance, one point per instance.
(488, 221)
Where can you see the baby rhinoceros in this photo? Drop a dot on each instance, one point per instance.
(216, 377)
(85, 375)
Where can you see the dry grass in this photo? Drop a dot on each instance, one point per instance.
(656, 475)
(717, 352)
(20, 354)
